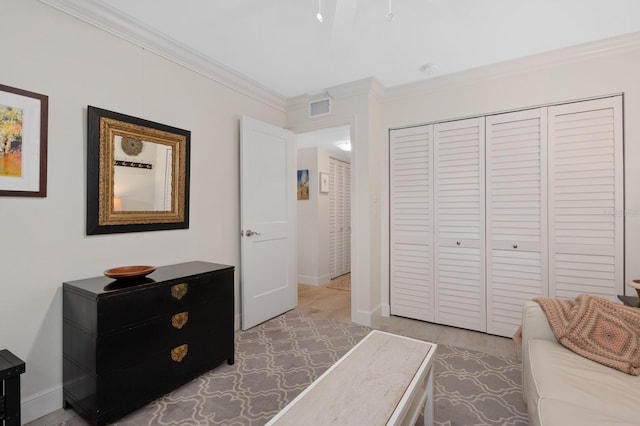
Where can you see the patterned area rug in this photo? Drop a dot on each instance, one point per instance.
(475, 388)
(275, 361)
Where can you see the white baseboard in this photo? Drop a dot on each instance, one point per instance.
(377, 311)
(366, 317)
(362, 317)
(386, 311)
(236, 322)
(41, 404)
(314, 280)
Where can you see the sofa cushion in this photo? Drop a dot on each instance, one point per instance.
(556, 373)
(554, 412)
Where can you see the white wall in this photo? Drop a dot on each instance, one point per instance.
(324, 272)
(597, 69)
(308, 220)
(44, 241)
(313, 221)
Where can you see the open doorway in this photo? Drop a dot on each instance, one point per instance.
(324, 222)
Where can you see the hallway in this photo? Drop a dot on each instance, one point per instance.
(324, 301)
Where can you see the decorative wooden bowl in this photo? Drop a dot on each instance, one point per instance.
(635, 284)
(129, 272)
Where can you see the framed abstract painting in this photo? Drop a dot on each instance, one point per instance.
(23, 142)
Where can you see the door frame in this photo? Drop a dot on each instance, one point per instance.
(337, 121)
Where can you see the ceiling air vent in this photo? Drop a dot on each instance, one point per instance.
(320, 107)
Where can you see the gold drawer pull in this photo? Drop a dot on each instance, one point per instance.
(178, 353)
(179, 290)
(179, 320)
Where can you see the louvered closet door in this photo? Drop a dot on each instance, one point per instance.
(347, 218)
(460, 297)
(411, 222)
(586, 199)
(335, 213)
(332, 219)
(516, 215)
(339, 218)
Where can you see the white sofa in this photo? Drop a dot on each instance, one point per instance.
(563, 388)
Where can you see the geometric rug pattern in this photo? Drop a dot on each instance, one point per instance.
(277, 360)
(475, 388)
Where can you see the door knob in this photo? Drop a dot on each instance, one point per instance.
(250, 233)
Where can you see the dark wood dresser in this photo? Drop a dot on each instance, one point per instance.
(127, 343)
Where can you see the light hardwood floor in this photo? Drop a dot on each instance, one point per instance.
(324, 302)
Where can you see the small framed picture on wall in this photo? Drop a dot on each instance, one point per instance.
(303, 184)
(324, 183)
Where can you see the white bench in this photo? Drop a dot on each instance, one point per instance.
(385, 379)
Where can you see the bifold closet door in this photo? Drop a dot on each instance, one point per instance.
(339, 218)
(335, 243)
(411, 222)
(586, 219)
(516, 215)
(459, 225)
(347, 218)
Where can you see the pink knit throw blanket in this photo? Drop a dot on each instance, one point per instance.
(598, 329)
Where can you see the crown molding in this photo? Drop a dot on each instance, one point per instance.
(601, 48)
(365, 86)
(100, 15)
(302, 101)
(377, 89)
(298, 102)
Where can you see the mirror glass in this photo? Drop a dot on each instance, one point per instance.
(142, 175)
(137, 174)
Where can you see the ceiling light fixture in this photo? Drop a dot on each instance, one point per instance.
(344, 145)
(319, 14)
(389, 16)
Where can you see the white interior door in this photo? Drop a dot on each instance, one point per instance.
(268, 221)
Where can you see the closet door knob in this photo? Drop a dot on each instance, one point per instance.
(515, 246)
(458, 243)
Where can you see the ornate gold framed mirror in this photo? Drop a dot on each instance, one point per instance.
(137, 174)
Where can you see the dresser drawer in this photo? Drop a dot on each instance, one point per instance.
(133, 345)
(121, 391)
(144, 304)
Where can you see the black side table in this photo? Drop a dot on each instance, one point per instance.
(11, 367)
(632, 301)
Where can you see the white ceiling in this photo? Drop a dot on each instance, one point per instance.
(281, 45)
